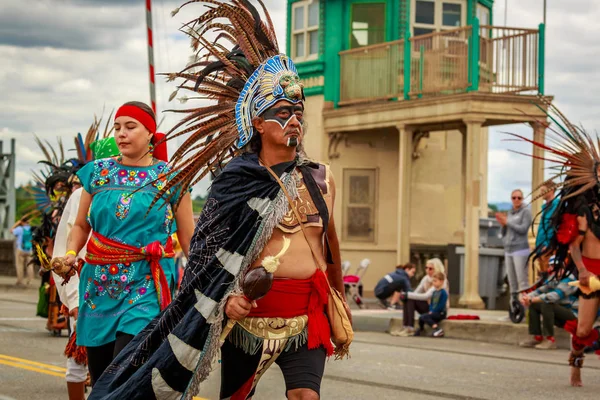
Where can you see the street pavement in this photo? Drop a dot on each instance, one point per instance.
(381, 367)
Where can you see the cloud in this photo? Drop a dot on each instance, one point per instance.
(62, 61)
(63, 25)
(571, 76)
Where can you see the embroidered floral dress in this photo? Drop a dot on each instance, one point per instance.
(122, 297)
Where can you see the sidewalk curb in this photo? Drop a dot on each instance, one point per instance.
(18, 301)
(486, 331)
(7, 287)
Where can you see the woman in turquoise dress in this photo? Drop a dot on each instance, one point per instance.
(129, 272)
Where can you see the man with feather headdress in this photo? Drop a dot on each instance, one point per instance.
(51, 193)
(249, 227)
(576, 224)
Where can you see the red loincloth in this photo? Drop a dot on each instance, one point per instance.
(290, 298)
(592, 265)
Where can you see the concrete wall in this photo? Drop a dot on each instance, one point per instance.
(436, 199)
(371, 149)
(315, 141)
(7, 258)
(437, 195)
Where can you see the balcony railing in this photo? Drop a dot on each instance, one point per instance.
(372, 72)
(508, 60)
(440, 62)
(494, 59)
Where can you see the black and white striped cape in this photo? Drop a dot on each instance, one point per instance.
(171, 357)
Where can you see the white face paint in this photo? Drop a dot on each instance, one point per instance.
(292, 142)
(283, 116)
(282, 123)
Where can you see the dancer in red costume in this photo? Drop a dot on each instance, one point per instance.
(576, 222)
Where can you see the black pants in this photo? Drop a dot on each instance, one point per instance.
(100, 357)
(552, 314)
(408, 313)
(431, 319)
(302, 369)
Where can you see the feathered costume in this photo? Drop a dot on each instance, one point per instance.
(175, 352)
(50, 193)
(576, 158)
(58, 171)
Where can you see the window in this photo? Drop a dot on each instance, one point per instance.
(305, 30)
(451, 14)
(367, 25)
(359, 204)
(422, 31)
(435, 15)
(483, 14)
(425, 12)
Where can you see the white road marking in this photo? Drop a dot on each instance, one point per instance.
(21, 319)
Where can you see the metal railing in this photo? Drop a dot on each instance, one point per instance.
(509, 59)
(471, 58)
(372, 72)
(440, 63)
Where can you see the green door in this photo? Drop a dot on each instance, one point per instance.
(367, 24)
(366, 74)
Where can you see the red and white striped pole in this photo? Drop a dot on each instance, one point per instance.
(151, 54)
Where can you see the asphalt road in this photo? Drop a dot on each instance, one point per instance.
(381, 367)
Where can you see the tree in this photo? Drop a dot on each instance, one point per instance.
(198, 204)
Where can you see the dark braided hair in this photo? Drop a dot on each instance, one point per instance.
(578, 205)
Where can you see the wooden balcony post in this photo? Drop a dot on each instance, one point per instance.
(541, 58)
(404, 181)
(407, 64)
(407, 51)
(474, 49)
(470, 297)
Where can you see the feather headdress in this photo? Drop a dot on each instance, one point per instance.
(574, 153)
(241, 71)
(83, 145)
(59, 169)
(575, 157)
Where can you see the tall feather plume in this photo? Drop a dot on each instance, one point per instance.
(217, 72)
(55, 162)
(43, 148)
(108, 128)
(575, 153)
(83, 144)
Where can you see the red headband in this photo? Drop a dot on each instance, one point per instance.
(160, 146)
(139, 115)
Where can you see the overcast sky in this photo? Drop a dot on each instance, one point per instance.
(62, 61)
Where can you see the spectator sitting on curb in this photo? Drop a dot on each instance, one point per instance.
(393, 283)
(418, 300)
(437, 307)
(556, 302)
